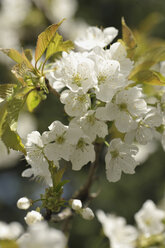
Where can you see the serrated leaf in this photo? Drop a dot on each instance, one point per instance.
(33, 100)
(149, 77)
(3, 114)
(17, 57)
(19, 71)
(9, 111)
(58, 45)
(12, 140)
(128, 38)
(6, 90)
(44, 39)
(13, 108)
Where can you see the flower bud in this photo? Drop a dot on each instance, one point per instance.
(32, 217)
(76, 204)
(87, 213)
(23, 203)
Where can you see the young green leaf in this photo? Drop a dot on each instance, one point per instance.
(33, 100)
(8, 244)
(127, 35)
(149, 77)
(3, 114)
(44, 39)
(12, 140)
(58, 45)
(6, 90)
(149, 59)
(17, 57)
(28, 54)
(128, 38)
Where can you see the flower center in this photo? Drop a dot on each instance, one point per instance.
(114, 154)
(123, 106)
(77, 80)
(101, 79)
(81, 144)
(60, 139)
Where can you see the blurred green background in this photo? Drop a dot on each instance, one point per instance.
(20, 23)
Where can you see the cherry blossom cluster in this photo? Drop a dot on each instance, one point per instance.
(93, 86)
(38, 235)
(149, 230)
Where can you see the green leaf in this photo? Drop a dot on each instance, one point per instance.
(12, 140)
(9, 111)
(128, 38)
(28, 54)
(6, 90)
(13, 108)
(44, 39)
(33, 100)
(8, 244)
(3, 114)
(149, 77)
(149, 59)
(58, 45)
(17, 57)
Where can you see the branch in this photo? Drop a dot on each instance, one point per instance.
(51, 89)
(84, 192)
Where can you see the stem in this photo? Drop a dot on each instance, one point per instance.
(51, 89)
(84, 192)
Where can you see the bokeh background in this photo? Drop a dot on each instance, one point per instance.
(20, 23)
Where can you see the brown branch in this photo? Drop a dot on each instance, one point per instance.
(53, 91)
(84, 192)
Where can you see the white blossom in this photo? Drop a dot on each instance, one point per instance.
(145, 130)
(117, 231)
(76, 204)
(76, 103)
(94, 37)
(23, 203)
(42, 236)
(87, 213)
(93, 127)
(149, 219)
(75, 71)
(127, 106)
(36, 158)
(57, 146)
(10, 231)
(110, 77)
(33, 217)
(118, 52)
(120, 157)
(82, 149)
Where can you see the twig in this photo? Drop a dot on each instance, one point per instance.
(84, 192)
